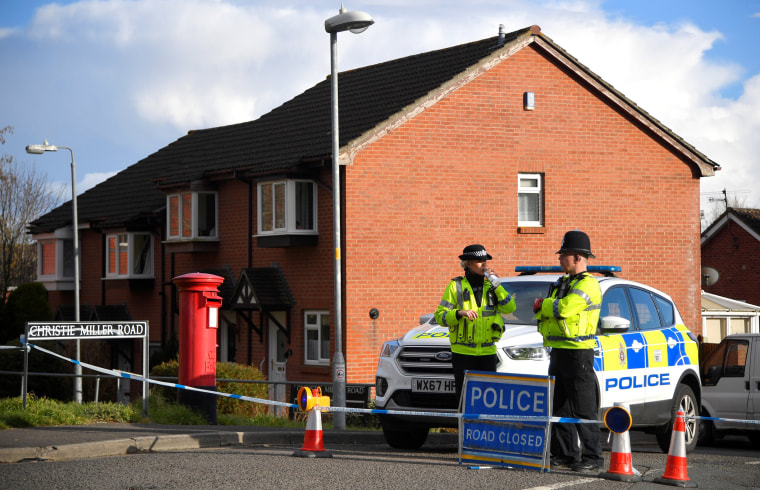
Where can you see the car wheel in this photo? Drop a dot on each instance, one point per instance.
(754, 439)
(706, 433)
(683, 401)
(404, 436)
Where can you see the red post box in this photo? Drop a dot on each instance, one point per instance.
(199, 306)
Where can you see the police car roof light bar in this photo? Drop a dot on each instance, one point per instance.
(607, 270)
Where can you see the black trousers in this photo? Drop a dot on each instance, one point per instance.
(462, 363)
(575, 396)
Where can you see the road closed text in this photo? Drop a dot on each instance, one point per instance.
(513, 440)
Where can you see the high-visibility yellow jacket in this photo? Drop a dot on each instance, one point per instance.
(568, 319)
(478, 337)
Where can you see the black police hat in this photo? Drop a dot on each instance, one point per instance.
(475, 252)
(576, 242)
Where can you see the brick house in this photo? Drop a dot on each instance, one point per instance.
(730, 245)
(507, 141)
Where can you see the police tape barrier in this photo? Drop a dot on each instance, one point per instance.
(372, 411)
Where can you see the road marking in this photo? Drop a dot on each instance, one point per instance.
(564, 484)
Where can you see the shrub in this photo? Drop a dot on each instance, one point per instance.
(27, 302)
(224, 370)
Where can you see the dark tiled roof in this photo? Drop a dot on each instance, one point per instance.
(297, 131)
(289, 136)
(227, 287)
(748, 216)
(269, 287)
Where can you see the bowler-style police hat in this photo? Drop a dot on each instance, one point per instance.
(475, 252)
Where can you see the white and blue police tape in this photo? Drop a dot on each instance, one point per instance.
(466, 416)
(374, 411)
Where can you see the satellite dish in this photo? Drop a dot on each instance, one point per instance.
(709, 276)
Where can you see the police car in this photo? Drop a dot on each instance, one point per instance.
(644, 356)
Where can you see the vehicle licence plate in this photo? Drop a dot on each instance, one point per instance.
(430, 385)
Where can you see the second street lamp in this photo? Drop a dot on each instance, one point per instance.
(355, 22)
(39, 150)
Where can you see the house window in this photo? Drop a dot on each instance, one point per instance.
(287, 207)
(317, 333)
(47, 257)
(55, 259)
(129, 255)
(192, 216)
(530, 199)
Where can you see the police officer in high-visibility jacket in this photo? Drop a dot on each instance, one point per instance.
(471, 308)
(568, 320)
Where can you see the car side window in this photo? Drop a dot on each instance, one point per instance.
(644, 309)
(736, 359)
(665, 307)
(729, 360)
(615, 303)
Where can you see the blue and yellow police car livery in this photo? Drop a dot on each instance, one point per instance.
(645, 357)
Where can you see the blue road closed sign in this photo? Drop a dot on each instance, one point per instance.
(505, 420)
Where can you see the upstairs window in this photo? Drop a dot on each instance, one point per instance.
(55, 258)
(530, 200)
(129, 255)
(287, 207)
(192, 216)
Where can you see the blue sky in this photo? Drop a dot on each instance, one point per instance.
(117, 80)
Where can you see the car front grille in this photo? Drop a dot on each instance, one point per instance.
(427, 360)
(407, 399)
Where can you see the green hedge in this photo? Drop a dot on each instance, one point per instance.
(224, 370)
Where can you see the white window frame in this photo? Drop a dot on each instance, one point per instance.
(290, 227)
(194, 225)
(322, 358)
(64, 250)
(531, 190)
(132, 256)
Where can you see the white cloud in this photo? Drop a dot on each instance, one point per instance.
(141, 72)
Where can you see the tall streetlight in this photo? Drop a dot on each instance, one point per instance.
(39, 150)
(355, 22)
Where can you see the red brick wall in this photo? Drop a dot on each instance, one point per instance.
(733, 252)
(448, 178)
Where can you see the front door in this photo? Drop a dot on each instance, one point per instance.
(278, 347)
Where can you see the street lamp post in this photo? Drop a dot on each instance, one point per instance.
(355, 22)
(39, 150)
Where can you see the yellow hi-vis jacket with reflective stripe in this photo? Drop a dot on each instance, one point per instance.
(570, 322)
(478, 337)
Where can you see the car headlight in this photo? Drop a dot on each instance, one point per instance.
(389, 348)
(527, 352)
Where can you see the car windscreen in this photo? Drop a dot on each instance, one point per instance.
(525, 294)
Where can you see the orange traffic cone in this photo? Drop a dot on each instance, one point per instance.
(618, 420)
(312, 442)
(621, 464)
(675, 467)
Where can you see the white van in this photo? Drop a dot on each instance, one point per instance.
(644, 356)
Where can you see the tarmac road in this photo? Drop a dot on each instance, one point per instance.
(160, 456)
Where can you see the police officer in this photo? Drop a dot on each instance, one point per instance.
(568, 320)
(471, 308)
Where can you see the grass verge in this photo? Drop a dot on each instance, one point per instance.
(42, 412)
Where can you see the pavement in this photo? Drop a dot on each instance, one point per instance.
(69, 442)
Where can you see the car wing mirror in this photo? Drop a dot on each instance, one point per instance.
(615, 324)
